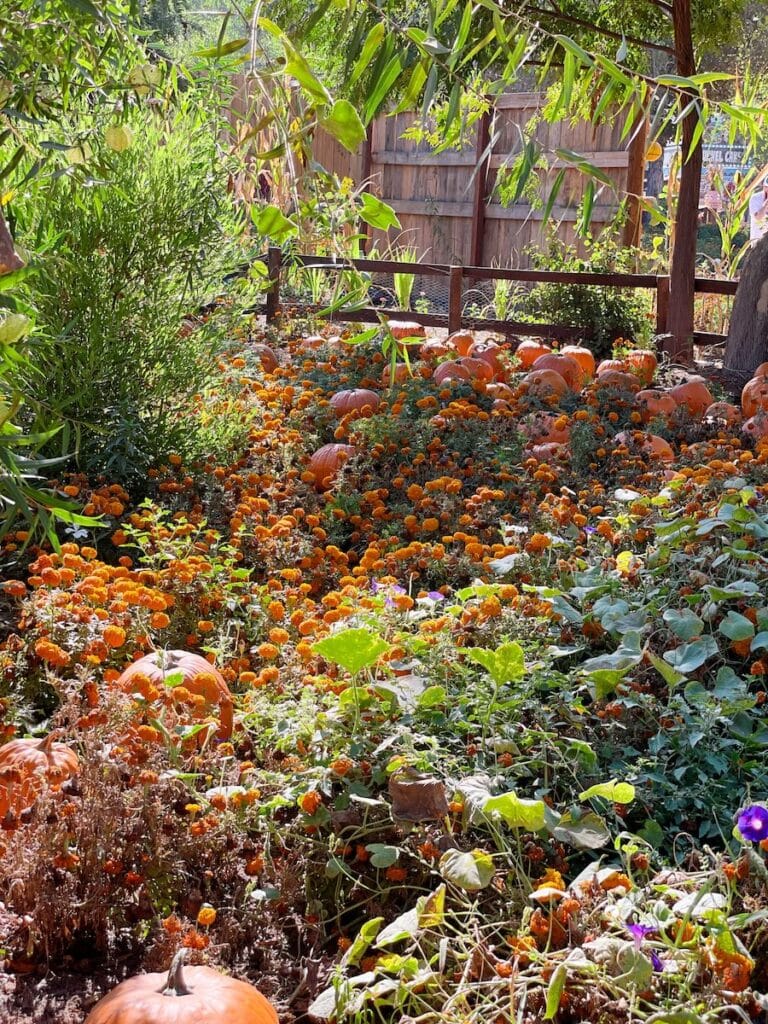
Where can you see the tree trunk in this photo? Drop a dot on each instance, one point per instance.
(683, 269)
(747, 344)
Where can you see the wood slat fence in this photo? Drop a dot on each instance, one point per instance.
(455, 277)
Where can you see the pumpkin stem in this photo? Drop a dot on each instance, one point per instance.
(47, 741)
(175, 984)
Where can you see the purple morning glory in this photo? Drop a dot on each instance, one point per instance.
(640, 932)
(658, 966)
(753, 823)
(435, 595)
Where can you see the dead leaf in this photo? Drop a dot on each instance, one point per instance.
(417, 797)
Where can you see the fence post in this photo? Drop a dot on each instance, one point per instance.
(662, 304)
(479, 189)
(274, 262)
(454, 299)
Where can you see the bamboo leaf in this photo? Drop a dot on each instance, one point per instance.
(370, 46)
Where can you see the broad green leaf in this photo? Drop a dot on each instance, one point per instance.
(344, 124)
(670, 675)
(432, 696)
(271, 223)
(353, 649)
(297, 67)
(684, 624)
(555, 990)
(616, 792)
(406, 926)
(432, 909)
(377, 213)
(471, 870)
(505, 665)
(518, 812)
(213, 52)
(373, 40)
(381, 88)
(688, 657)
(587, 832)
(736, 627)
(362, 337)
(383, 856)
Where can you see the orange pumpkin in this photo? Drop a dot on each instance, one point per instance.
(479, 369)
(267, 356)
(500, 390)
(327, 461)
(583, 356)
(354, 400)
(618, 379)
(540, 428)
(401, 374)
(199, 995)
(643, 362)
(450, 370)
(543, 383)
(754, 396)
(198, 676)
(460, 342)
(27, 767)
(723, 412)
(566, 366)
(756, 427)
(652, 445)
(610, 364)
(433, 350)
(313, 342)
(527, 352)
(400, 329)
(548, 452)
(694, 395)
(761, 370)
(652, 403)
(489, 352)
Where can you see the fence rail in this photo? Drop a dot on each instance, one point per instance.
(456, 319)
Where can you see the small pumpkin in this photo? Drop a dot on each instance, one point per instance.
(400, 329)
(478, 369)
(723, 413)
(583, 356)
(527, 352)
(354, 400)
(756, 427)
(761, 370)
(433, 350)
(541, 428)
(198, 676)
(267, 357)
(400, 377)
(544, 383)
(451, 369)
(654, 402)
(618, 379)
(28, 766)
(461, 342)
(327, 461)
(754, 396)
(568, 368)
(643, 363)
(489, 352)
(194, 995)
(611, 364)
(548, 452)
(652, 445)
(694, 395)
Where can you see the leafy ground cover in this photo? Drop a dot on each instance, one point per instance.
(497, 670)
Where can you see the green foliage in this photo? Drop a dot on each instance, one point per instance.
(606, 313)
(126, 259)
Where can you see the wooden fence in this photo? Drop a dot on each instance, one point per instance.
(448, 203)
(455, 276)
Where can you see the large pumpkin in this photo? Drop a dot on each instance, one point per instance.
(198, 676)
(354, 400)
(583, 356)
(652, 445)
(327, 461)
(543, 383)
(460, 342)
(199, 995)
(620, 380)
(723, 413)
(527, 352)
(568, 368)
(642, 362)
(400, 329)
(694, 395)
(489, 352)
(754, 396)
(27, 767)
(653, 402)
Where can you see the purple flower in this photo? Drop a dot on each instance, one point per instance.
(435, 595)
(657, 962)
(753, 823)
(639, 932)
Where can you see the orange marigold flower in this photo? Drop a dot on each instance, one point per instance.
(206, 915)
(310, 802)
(395, 874)
(114, 636)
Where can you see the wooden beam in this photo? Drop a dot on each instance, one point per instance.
(274, 262)
(479, 188)
(519, 101)
(604, 159)
(662, 304)
(454, 299)
(634, 186)
(493, 211)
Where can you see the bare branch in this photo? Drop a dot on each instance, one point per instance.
(570, 19)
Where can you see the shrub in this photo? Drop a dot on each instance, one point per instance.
(137, 246)
(605, 313)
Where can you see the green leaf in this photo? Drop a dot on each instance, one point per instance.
(383, 856)
(555, 990)
(670, 675)
(362, 337)
(377, 213)
(432, 697)
(362, 941)
(353, 649)
(432, 909)
(736, 627)
(583, 165)
(373, 40)
(505, 665)
(616, 792)
(297, 67)
(212, 52)
(381, 88)
(517, 812)
(586, 832)
(684, 624)
(688, 657)
(470, 871)
(406, 926)
(271, 223)
(344, 124)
